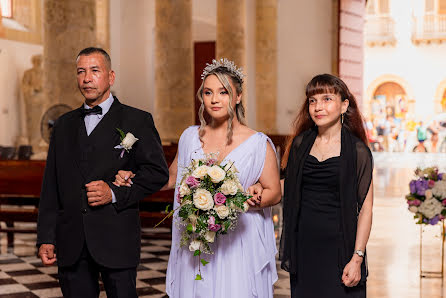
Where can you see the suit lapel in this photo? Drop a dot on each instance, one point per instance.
(103, 139)
(73, 135)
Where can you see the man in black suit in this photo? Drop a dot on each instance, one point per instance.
(93, 224)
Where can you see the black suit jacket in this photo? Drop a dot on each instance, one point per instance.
(112, 231)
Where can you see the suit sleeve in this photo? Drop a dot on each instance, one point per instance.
(48, 204)
(152, 172)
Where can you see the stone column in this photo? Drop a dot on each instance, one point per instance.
(231, 30)
(2, 33)
(174, 99)
(103, 24)
(69, 26)
(266, 65)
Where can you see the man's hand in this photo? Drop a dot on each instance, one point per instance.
(98, 193)
(46, 254)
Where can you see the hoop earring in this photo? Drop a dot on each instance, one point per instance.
(342, 118)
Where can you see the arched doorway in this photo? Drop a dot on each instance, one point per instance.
(389, 99)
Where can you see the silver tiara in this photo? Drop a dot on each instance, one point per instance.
(223, 62)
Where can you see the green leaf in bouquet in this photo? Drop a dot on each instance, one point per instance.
(167, 208)
(227, 225)
(121, 133)
(204, 262)
(190, 228)
(198, 277)
(186, 210)
(443, 212)
(197, 252)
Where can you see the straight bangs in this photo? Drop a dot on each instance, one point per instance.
(322, 86)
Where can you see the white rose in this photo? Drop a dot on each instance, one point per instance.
(439, 189)
(222, 211)
(200, 172)
(128, 141)
(184, 189)
(428, 194)
(229, 187)
(430, 207)
(216, 173)
(413, 209)
(194, 245)
(203, 199)
(240, 186)
(230, 166)
(209, 236)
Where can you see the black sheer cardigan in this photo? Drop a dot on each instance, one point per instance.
(356, 164)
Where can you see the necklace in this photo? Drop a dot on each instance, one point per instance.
(327, 152)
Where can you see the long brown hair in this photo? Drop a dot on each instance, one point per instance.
(326, 83)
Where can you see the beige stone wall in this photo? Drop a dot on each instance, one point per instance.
(266, 65)
(27, 13)
(69, 26)
(174, 100)
(23, 13)
(231, 30)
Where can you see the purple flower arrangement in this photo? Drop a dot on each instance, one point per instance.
(427, 197)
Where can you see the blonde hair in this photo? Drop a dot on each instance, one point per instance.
(223, 76)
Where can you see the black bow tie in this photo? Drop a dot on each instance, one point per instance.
(97, 110)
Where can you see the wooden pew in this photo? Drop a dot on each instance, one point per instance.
(20, 183)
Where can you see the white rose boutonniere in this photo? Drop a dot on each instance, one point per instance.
(127, 141)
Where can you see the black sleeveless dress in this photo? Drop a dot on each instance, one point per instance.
(319, 237)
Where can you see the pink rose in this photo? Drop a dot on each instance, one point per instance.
(219, 198)
(212, 226)
(440, 217)
(416, 202)
(431, 183)
(178, 196)
(211, 220)
(211, 162)
(192, 182)
(443, 202)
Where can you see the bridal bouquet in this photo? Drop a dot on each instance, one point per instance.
(427, 197)
(210, 197)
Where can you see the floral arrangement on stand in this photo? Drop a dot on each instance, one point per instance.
(427, 197)
(211, 198)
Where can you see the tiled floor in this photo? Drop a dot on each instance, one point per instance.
(393, 249)
(23, 275)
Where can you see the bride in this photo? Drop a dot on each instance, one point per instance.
(243, 263)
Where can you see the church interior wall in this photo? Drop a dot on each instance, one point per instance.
(305, 43)
(15, 58)
(305, 48)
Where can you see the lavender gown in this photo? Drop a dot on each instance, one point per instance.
(243, 264)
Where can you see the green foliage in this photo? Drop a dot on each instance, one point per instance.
(198, 277)
(197, 252)
(167, 208)
(187, 210)
(204, 262)
(121, 133)
(190, 228)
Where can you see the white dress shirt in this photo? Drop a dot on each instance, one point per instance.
(92, 120)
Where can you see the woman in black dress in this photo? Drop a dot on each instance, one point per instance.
(328, 196)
